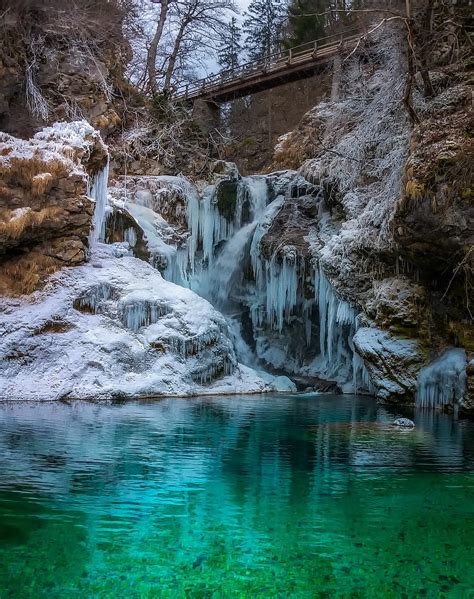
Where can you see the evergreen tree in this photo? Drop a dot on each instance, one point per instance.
(262, 26)
(304, 28)
(230, 47)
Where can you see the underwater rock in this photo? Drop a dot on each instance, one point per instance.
(403, 423)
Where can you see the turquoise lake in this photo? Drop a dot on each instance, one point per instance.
(256, 496)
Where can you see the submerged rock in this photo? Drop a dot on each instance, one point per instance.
(403, 423)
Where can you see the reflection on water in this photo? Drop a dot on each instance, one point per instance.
(296, 496)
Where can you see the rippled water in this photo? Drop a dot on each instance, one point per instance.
(276, 496)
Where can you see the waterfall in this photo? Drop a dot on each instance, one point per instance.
(97, 190)
(224, 272)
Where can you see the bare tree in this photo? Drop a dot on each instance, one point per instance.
(153, 48)
(203, 21)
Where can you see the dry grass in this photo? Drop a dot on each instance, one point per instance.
(21, 171)
(296, 147)
(414, 189)
(13, 228)
(24, 274)
(41, 184)
(6, 193)
(53, 326)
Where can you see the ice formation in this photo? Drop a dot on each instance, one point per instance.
(98, 192)
(337, 326)
(443, 381)
(136, 312)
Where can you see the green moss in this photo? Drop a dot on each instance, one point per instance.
(227, 199)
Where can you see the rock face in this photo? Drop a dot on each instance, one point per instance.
(433, 220)
(45, 206)
(395, 223)
(56, 64)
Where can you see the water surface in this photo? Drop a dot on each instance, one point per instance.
(274, 496)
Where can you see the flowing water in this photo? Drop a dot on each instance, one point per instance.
(275, 496)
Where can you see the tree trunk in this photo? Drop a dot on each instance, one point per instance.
(174, 56)
(336, 78)
(153, 49)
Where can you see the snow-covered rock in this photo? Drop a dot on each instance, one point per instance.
(115, 328)
(393, 363)
(53, 189)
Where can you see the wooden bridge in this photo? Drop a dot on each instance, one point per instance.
(273, 70)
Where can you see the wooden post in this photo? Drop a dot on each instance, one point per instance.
(290, 56)
(186, 91)
(315, 49)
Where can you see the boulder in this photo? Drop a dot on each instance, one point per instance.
(393, 362)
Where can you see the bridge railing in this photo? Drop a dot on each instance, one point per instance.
(276, 60)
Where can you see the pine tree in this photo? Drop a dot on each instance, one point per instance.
(230, 47)
(304, 28)
(263, 26)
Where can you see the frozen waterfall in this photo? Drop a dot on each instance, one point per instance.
(228, 267)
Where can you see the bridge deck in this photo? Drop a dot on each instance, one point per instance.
(273, 70)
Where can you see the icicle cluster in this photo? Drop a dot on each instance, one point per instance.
(92, 300)
(207, 374)
(281, 282)
(276, 281)
(130, 236)
(337, 326)
(193, 346)
(137, 313)
(442, 382)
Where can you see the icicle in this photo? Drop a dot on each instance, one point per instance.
(281, 288)
(207, 374)
(98, 192)
(307, 309)
(442, 382)
(337, 326)
(130, 236)
(360, 375)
